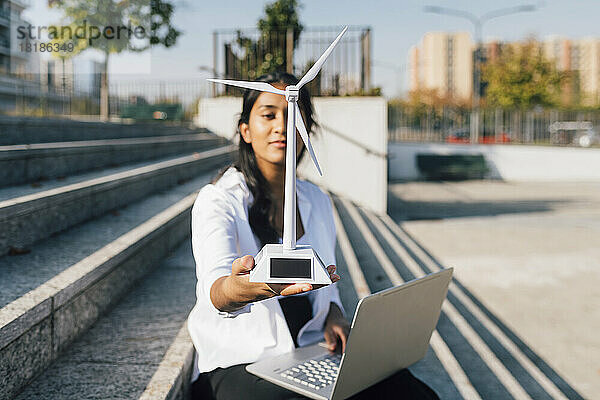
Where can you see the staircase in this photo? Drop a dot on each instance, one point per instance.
(96, 233)
(472, 353)
(97, 277)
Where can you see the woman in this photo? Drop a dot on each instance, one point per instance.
(234, 321)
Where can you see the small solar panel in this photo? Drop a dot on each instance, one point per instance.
(291, 268)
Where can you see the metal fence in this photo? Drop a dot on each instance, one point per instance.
(452, 125)
(405, 122)
(185, 93)
(247, 53)
(31, 97)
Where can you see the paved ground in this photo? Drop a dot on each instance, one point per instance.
(530, 252)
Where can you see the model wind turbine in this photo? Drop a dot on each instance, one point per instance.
(288, 262)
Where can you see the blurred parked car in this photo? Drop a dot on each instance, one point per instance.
(463, 136)
(156, 112)
(587, 138)
(579, 133)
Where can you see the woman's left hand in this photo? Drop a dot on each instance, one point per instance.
(337, 329)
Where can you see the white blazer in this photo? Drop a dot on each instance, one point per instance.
(220, 234)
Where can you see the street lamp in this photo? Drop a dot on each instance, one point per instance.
(478, 25)
(214, 74)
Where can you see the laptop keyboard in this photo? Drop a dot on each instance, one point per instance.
(317, 373)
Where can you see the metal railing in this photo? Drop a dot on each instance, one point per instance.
(451, 125)
(185, 93)
(31, 96)
(247, 53)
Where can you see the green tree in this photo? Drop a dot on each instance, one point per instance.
(112, 26)
(269, 52)
(521, 77)
(280, 17)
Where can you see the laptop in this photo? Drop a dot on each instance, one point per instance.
(401, 318)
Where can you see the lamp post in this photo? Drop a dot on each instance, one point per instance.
(214, 74)
(478, 25)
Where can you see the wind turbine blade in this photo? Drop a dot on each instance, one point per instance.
(314, 70)
(306, 139)
(260, 86)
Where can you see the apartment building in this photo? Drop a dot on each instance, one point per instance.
(443, 62)
(581, 56)
(72, 76)
(13, 60)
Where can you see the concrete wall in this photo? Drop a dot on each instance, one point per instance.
(219, 115)
(351, 147)
(507, 162)
(351, 144)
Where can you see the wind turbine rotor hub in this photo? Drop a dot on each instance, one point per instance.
(292, 93)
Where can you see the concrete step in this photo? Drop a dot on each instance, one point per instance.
(49, 257)
(368, 256)
(118, 357)
(51, 295)
(22, 130)
(171, 380)
(473, 354)
(29, 214)
(40, 161)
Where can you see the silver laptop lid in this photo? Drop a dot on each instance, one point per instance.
(401, 318)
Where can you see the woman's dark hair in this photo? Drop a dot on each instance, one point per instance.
(260, 215)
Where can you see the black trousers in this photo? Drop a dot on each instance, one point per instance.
(235, 383)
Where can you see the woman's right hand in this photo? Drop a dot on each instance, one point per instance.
(235, 291)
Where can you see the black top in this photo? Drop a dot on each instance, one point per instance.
(297, 311)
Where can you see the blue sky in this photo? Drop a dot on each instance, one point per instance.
(396, 26)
